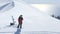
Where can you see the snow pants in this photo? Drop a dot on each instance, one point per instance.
(19, 26)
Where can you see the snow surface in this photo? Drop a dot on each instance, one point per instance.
(6, 4)
(35, 22)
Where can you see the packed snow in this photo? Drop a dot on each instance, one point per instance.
(35, 22)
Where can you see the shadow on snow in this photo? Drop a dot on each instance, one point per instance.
(18, 31)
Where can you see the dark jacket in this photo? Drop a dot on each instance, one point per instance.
(20, 19)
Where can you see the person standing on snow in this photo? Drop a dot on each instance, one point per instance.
(20, 20)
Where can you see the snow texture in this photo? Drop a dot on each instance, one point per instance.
(4, 6)
(35, 22)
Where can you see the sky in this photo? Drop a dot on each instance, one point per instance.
(48, 6)
(42, 1)
(42, 7)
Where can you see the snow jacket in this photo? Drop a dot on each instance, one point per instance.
(20, 19)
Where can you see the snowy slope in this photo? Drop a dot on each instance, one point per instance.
(33, 20)
(6, 5)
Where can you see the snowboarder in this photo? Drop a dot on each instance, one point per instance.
(20, 20)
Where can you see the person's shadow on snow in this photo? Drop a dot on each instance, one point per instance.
(18, 31)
